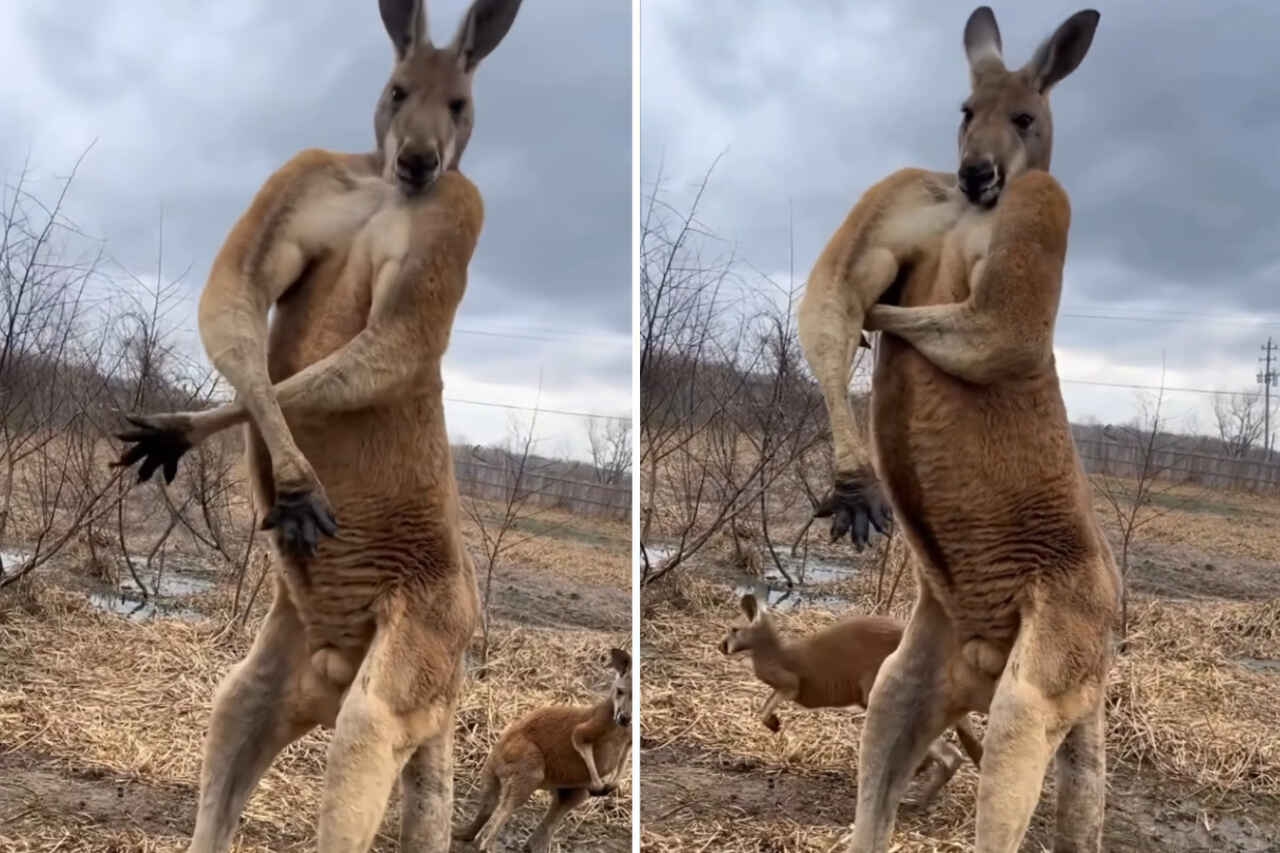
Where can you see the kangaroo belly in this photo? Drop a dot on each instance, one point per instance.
(387, 473)
(984, 481)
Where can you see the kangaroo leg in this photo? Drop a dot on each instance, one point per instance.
(969, 740)
(563, 801)
(769, 711)
(946, 761)
(1043, 694)
(403, 697)
(1082, 786)
(484, 810)
(518, 785)
(267, 701)
(426, 791)
(907, 710)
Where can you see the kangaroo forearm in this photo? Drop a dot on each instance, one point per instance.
(963, 342)
(361, 375)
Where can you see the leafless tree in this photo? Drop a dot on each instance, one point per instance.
(725, 405)
(610, 441)
(501, 532)
(1240, 419)
(1140, 482)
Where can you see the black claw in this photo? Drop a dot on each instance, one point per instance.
(298, 519)
(157, 448)
(855, 506)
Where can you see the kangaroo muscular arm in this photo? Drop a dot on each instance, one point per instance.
(414, 299)
(1004, 330)
(303, 209)
(851, 274)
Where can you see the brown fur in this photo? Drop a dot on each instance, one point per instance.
(1018, 586)
(567, 750)
(835, 667)
(365, 267)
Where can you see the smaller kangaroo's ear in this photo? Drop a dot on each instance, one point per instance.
(750, 607)
(620, 661)
(483, 27)
(406, 23)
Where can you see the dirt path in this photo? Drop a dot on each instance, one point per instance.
(692, 785)
(528, 597)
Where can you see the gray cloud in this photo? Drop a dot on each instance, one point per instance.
(193, 108)
(1164, 136)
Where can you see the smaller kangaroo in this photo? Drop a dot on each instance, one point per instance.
(561, 749)
(834, 668)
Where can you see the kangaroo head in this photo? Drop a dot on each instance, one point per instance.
(758, 630)
(1007, 127)
(621, 688)
(423, 119)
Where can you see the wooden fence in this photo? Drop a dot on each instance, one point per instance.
(1102, 455)
(546, 484)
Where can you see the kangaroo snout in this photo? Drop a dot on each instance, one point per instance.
(980, 180)
(623, 720)
(417, 169)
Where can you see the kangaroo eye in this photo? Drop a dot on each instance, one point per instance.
(457, 105)
(1023, 120)
(398, 94)
(967, 113)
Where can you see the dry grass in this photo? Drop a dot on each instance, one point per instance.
(1192, 704)
(96, 697)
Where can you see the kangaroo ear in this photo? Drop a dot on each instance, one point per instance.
(485, 24)
(1062, 52)
(982, 41)
(750, 606)
(620, 661)
(406, 23)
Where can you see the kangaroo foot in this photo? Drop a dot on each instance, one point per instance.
(603, 791)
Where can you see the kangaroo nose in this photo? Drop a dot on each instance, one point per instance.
(624, 720)
(416, 167)
(976, 176)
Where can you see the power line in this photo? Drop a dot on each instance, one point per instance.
(1146, 387)
(540, 409)
(551, 336)
(1221, 320)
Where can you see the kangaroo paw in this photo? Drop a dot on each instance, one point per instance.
(299, 517)
(856, 504)
(157, 442)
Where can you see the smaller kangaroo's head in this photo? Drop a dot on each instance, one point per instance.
(757, 632)
(423, 119)
(1007, 127)
(620, 691)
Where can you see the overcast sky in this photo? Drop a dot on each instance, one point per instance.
(1165, 137)
(193, 105)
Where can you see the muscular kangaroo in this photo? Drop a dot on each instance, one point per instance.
(364, 258)
(1006, 127)
(1018, 586)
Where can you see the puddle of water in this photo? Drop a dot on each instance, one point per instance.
(814, 571)
(122, 604)
(164, 598)
(781, 599)
(1260, 664)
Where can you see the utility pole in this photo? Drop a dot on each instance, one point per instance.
(1267, 378)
